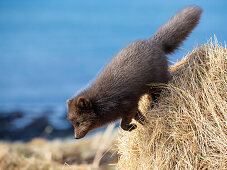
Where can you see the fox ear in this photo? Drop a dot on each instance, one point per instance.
(84, 103)
(69, 101)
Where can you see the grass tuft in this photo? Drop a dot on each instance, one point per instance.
(187, 128)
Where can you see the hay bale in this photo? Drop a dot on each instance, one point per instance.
(187, 129)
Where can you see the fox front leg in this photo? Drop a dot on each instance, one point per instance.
(139, 117)
(127, 125)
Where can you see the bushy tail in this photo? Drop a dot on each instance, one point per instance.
(172, 33)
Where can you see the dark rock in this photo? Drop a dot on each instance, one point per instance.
(39, 127)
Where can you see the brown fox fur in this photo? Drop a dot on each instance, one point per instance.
(117, 89)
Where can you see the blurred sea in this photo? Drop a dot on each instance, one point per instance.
(49, 50)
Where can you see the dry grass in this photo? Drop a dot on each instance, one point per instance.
(187, 129)
(95, 152)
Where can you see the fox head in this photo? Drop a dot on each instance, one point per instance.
(82, 116)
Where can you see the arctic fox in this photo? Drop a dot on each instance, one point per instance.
(117, 89)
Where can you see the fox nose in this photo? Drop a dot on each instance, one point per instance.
(77, 137)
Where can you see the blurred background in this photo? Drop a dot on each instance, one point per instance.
(50, 50)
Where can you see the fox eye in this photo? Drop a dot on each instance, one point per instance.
(77, 123)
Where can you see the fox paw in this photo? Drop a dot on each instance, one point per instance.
(129, 127)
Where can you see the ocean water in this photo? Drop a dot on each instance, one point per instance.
(50, 50)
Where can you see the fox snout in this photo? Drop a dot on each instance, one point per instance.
(80, 133)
